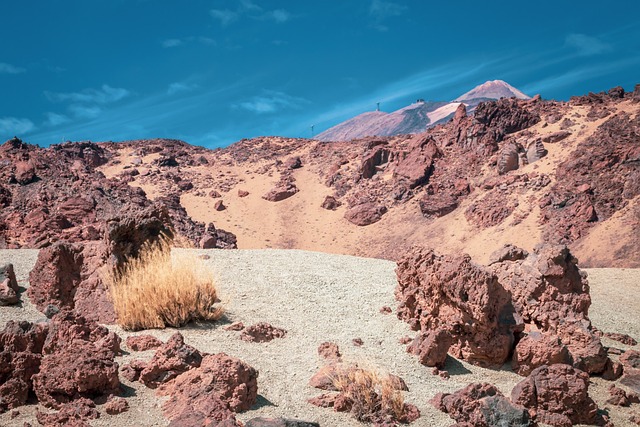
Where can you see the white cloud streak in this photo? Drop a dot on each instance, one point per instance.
(271, 102)
(10, 69)
(105, 95)
(587, 45)
(15, 126)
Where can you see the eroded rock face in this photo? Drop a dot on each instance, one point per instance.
(557, 395)
(20, 356)
(417, 164)
(481, 405)
(455, 295)
(172, 359)
(539, 300)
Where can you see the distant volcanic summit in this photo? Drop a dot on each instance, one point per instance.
(417, 117)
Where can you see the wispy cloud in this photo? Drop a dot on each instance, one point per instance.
(85, 111)
(10, 69)
(105, 95)
(381, 10)
(587, 45)
(271, 102)
(54, 119)
(171, 43)
(225, 16)
(181, 87)
(252, 10)
(15, 126)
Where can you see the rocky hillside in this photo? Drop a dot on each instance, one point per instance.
(417, 117)
(514, 171)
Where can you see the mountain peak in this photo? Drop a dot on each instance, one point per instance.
(493, 89)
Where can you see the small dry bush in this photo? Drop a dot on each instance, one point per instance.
(156, 290)
(373, 397)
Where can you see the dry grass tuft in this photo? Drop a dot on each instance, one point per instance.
(157, 290)
(373, 397)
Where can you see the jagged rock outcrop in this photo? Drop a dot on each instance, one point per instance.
(539, 301)
(8, 285)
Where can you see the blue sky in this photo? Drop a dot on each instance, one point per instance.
(213, 72)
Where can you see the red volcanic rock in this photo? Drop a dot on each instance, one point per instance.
(417, 165)
(75, 414)
(329, 350)
(325, 378)
(116, 405)
(623, 338)
(262, 332)
(131, 371)
(166, 161)
(293, 163)
(631, 359)
(365, 214)
(170, 360)
(373, 159)
(278, 422)
(507, 114)
(20, 355)
(78, 361)
(612, 371)
(481, 405)
(282, 191)
(557, 395)
(507, 253)
(8, 285)
(185, 185)
(330, 203)
(431, 347)
(511, 157)
(550, 292)
(143, 342)
(535, 350)
(214, 194)
(234, 381)
(243, 193)
(25, 173)
(619, 397)
(437, 205)
(454, 294)
(236, 326)
(219, 206)
(556, 136)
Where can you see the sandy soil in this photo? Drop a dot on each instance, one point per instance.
(322, 297)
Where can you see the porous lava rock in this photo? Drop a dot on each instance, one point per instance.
(75, 414)
(78, 362)
(329, 350)
(416, 165)
(331, 203)
(8, 285)
(538, 301)
(170, 360)
(262, 332)
(278, 422)
(451, 293)
(620, 397)
(116, 405)
(365, 213)
(622, 338)
(143, 342)
(557, 395)
(284, 189)
(481, 405)
(20, 356)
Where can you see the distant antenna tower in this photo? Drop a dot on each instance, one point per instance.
(312, 134)
(377, 106)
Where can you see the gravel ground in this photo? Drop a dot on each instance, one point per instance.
(320, 297)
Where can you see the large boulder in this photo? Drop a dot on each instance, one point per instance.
(452, 293)
(481, 405)
(416, 165)
(365, 213)
(170, 360)
(557, 395)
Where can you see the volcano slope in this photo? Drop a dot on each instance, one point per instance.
(516, 171)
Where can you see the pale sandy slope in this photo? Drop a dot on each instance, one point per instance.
(321, 297)
(299, 222)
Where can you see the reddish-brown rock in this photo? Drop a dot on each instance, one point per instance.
(8, 285)
(262, 332)
(623, 338)
(143, 342)
(481, 405)
(329, 350)
(243, 193)
(116, 405)
(454, 294)
(619, 397)
(284, 189)
(220, 386)
(279, 422)
(416, 165)
(365, 213)
(219, 206)
(74, 414)
(170, 360)
(558, 395)
(536, 349)
(331, 203)
(631, 359)
(431, 347)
